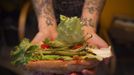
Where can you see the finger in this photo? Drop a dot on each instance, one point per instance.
(88, 72)
(53, 35)
(76, 73)
(88, 36)
(53, 32)
(73, 74)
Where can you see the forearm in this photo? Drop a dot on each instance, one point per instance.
(91, 12)
(45, 13)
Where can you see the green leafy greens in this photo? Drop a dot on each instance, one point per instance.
(22, 53)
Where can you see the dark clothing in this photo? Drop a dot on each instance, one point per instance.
(68, 8)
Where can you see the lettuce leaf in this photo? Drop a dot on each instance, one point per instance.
(23, 52)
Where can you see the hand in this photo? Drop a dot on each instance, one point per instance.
(45, 33)
(92, 38)
(85, 72)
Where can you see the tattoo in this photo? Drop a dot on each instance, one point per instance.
(48, 8)
(42, 6)
(45, 8)
(94, 5)
(49, 21)
(91, 10)
(94, 8)
(38, 5)
(87, 21)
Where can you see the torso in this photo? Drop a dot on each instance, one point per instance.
(68, 8)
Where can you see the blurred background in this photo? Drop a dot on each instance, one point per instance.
(116, 26)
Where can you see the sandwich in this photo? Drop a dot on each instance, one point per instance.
(69, 52)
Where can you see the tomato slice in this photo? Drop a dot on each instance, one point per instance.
(77, 46)
(45, 46)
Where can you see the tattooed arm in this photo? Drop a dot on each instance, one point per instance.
(46, 20)
(90, 16)
(91, 12)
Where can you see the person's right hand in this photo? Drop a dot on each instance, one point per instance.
(49, 32)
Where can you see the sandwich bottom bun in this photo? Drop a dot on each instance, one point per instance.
(60, 66)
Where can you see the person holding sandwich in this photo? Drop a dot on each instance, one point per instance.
(47, 23)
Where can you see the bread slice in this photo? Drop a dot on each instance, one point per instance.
(60, 66)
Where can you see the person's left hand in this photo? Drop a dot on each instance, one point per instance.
(92, 38)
